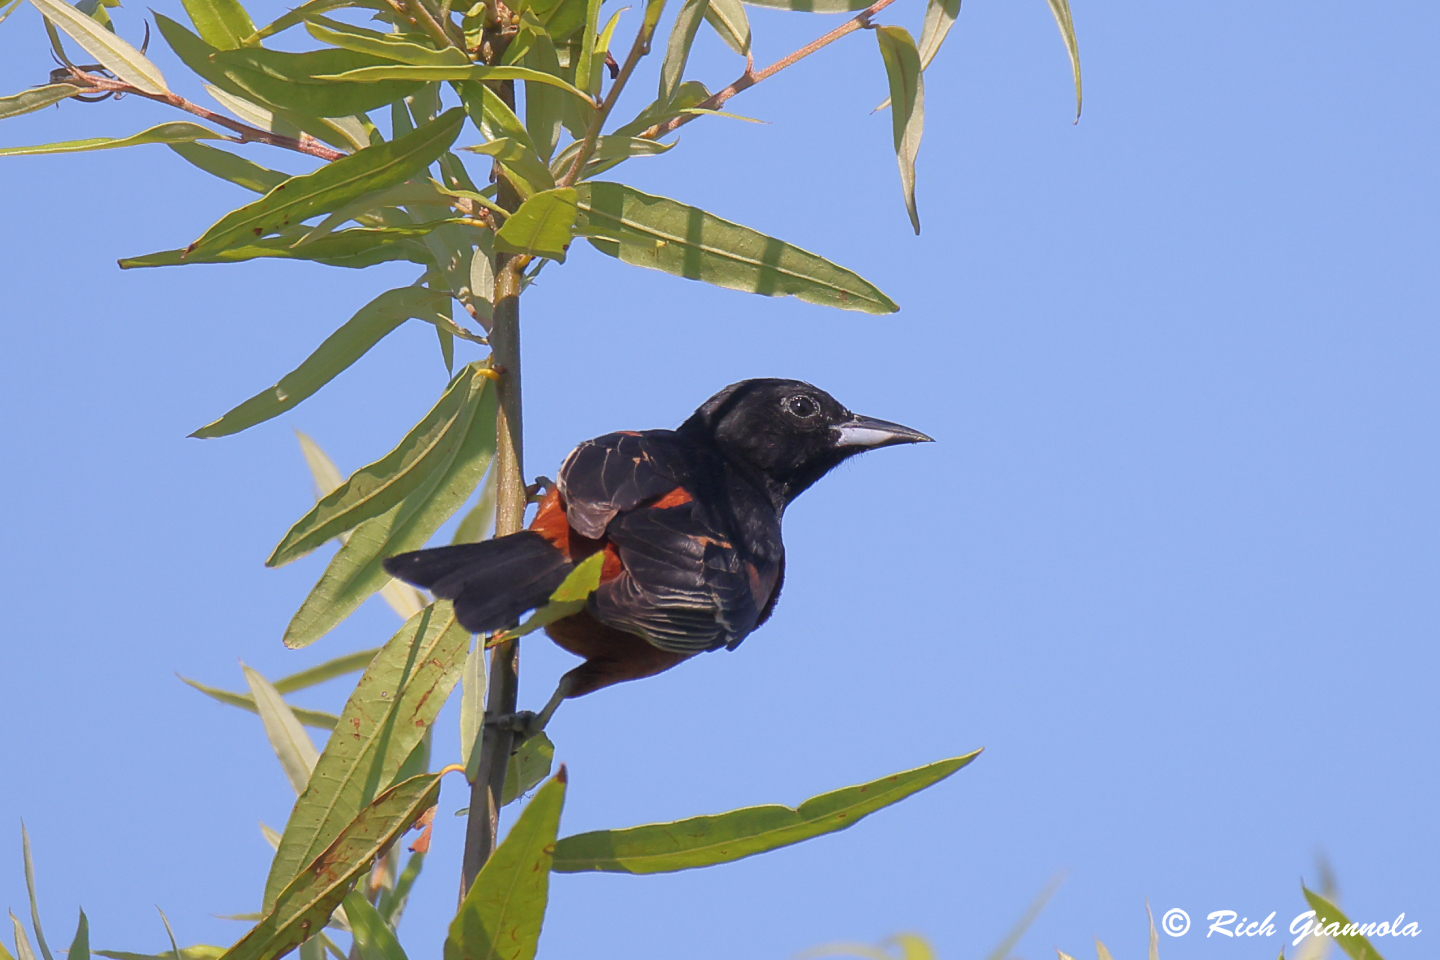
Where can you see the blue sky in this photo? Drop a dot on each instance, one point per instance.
(1173, 561)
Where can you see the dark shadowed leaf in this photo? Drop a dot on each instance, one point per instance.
(907, 98)
(223, 24)
(1061, 10)
(677, 51)
(702, 841)
(522, 166)
(665, 235)
(178, 131)
(384, 720)
(228, 166)
(305, 904)
(568, 598)
(310, 718)
(334, 184)
(80, 945)
(543, 226)
(529, 766)
(501, 915)
(373, 937)
(370, 324)
(107, 48)
(28, 101)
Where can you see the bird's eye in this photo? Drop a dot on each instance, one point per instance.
(802, 406)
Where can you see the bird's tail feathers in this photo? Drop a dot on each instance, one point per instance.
(492, 583)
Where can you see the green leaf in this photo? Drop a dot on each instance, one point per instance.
(907, 94)
(309, 9)
(812, 6)
(370, 324)
(392, 905)
(228, 166)
(586, 67)
(310, 718)
(522, 166)
(174, 947)
(1061, 10)
(223, 24)
(1355, 945)
(939, 18)
(430, 446)
(30, 889)
(689, 94)
(80, 946)
(677, 51)
(292, 745)
(529, 766)
(491, 115)
(22, 943)
(427, 74)
(472, 710)
(334, 184)
(385, 718)
(543, 226)
(345, 248)
(305, 904)
(386, 46)
(200, 951)
(570, 597)
(681, 240)
(305, 82)
(503, 910)
(702, 841)
(36, 98)
(609, 152)
(479, 521)
(329, 670)
(175, 132)
(109, 50)
(544, 104)
(373, 937)
(728, 19)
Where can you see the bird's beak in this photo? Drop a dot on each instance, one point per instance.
(867, 433)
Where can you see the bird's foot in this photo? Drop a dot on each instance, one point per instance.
(523, 723)
(539, 490)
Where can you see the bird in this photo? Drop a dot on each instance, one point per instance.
(689, 521)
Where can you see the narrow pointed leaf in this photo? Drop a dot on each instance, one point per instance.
(1355, 945)
(38, 98)
(662, 234)
(609, 152)
(370, 324)
(304, 81)
(939, 18)
(677, 51)
(306, 903)
(179, 131)
(472, 710)
(479, 521)
(491, 115)
(544, 104)
(174, 947)
(689, 94)
(227, 166)
(223, 24)
(568, 598)
(306, 10)
(200, 951)
(334, 185)
(430, 74)
(1061, 11)
(729, 20)
(80, 945)
(310, 718)
(385, 719)
(522, 166)
(529, 766)
(702, 841)
(501, 915)
(428, 448)
(812, 6)
(543, 226)
(121, 59)
(585, 64)
(353, 249)
(292, 745)
(383, 45)
(373, 937)
(23, 950)
(392, 905)
(907, 98)
(329, 670)
(30, 889)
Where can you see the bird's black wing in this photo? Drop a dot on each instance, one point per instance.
(685, 587)
(618, 472)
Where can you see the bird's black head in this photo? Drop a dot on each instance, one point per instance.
(788, 432)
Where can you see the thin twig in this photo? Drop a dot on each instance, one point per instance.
(749, 78)
(419, 13)
(247, 134)
(638, 49)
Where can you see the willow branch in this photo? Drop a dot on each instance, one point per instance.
(420, 14)
(246, 133)
(749, 78)
(638, 49)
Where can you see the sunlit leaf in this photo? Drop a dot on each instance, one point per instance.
(479, 520)
(292, 745)
(522, 166)
(689, 94)
(304, 81)
(223, 24)
(30, 889)
(361, 247)
(387, 46)
(227, 166)
(543, 226)
(373, 937)
(310, 718)
(36, 98)
(702, 841)
(1355, 945)
(334, 184)
(472, 709)
(23, 950)
(370, 324)
(392, 903)
(813, 6)
(681, 240)
(305, 904)
(200, 951)
(568, 598)
(585, 63)
(178, 131)
(609, 151)
(677, 51)
(80, 945)
(939, 18)
(428, 74)
(1061, 10)
(121, 59)
(384, 720)
(430, 446)
(907, 97)
(308, 9)
(503, 910)
(492, 115)
(729, 20)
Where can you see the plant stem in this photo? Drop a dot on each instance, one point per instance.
(749, 78)
(638, 49)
